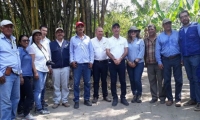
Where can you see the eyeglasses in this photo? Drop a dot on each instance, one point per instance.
(25, 40)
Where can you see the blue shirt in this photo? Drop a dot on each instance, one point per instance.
(186, 27)
(9, 55)
(81, 50)
(26, 61)
(136, 50)
(167, 45)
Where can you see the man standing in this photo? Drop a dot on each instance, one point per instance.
(60, 76)
(154, 73)
(81, 59)
(10, 72)
(189, 36)
(100, 66)
(169, 58)
(117, 50)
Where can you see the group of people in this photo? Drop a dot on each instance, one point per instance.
(24, 67)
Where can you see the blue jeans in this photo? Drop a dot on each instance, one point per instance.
(175, 65)
(135, 75)
(9, 97)
(82, 69)
(38, 87)
(191, 63)
(120, 71)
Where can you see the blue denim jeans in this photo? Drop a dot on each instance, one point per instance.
(9, 97)
(82, 69)
(38, 87)
(191, 63)
(135, 75)
(175, 65)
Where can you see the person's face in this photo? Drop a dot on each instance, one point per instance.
(99, 32)
(116, 30)
(37, 37)
(167, 26)
(59, 34)
(184, 18)
(80, 29)
(24, 42)
(44, 31)
(133, 34)
(7, 30)
(151, 31)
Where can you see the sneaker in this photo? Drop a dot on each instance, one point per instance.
(87, 102)
(178, 104)
(43, 111)
(29, 117)
(76, 105)
(107, 99)
(94, 100)
(66, 104)
(197, 107)
(55, 106)
(115, 102)
(190, 102)
(124, 102)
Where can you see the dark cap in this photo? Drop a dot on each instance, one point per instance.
(115, 24)
(79, 23)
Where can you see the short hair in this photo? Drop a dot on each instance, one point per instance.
(20, 39)
(151, 25)
(42, 26)
(184, 11)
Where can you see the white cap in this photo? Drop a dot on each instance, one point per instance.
(36, 31)
(58, 29)
(6, 22)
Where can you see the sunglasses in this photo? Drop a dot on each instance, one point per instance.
(25, 40)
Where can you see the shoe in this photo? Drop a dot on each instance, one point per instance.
(153, 101)
(45, 104)
(190, 102)
(107, 99)
(30, 117)
(162, 102)
(124, 101)
(197, 107)
(42, 111)
(94, 100)
(87, 102)
(20, 115)
(138, 100)
(76, 105)
(66, 104)
(55, 106)
(115, 102)
(134, 99)
(178, 104)
(169, 103)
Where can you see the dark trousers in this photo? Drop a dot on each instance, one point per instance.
(26, 96)
(120, 70)
(172, 65)
(100, 70)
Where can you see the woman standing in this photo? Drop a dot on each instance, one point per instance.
(135, 62)
(39, 58)
(26, 90)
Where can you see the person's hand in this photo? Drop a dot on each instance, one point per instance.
(160, 66)
(117, 61)
(36, 76)
(131, 64)
(21, 80)
(90, 65)
(74, 64)
(2, 79)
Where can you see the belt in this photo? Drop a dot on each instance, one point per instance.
(15, 72)
(172, 56)
(101, 61)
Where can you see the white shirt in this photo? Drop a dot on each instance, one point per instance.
(116, 46)
(99, 48)
(60, 43)
(40, 58)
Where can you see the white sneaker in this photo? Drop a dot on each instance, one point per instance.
(29, 117)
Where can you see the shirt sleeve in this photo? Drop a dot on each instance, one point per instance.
(71, 50)
(31, 50)
(157, 52)
(126, 43)
(91, 52)
(141, 50)
(108, 44)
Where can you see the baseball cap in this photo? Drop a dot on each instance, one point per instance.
(115, 24)
(59, 29)
(133, 28)
(6, 22)
(79, 23)
(166, 20)
(36, 31)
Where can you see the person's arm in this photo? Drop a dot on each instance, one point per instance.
(35, 73)
(71, 49)
(91, 54)
(141, 51)
(157, 51)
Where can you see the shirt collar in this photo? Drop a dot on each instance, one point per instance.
(84, 36)
(4, 37)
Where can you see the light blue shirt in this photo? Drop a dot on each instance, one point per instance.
(81, 50)
(9, 55)
(167, 45)
(136, 50)
(186, 27)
